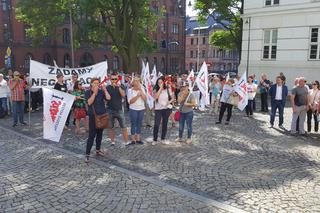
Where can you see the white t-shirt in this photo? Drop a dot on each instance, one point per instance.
(3, 89)
(252, 88)
(163, 100)
(139, 104)
(279, 93)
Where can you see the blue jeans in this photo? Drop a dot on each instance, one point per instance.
(3, 104)
(185, 117)
(136, 118)
(274, 106)
(18, 111)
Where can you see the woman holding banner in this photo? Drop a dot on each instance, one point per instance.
(227, 96)
(96, 97)
(79, 105)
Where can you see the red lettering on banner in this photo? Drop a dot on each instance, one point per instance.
(54, 109)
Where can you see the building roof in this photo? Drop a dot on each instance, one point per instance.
(193, 24)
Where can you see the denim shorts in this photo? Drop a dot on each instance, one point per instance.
(119, 115)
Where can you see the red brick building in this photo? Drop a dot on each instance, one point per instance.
(169, 36)
(197, 42)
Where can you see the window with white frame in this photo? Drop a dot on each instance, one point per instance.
(314, 53)
(272, 2)
(270, 44)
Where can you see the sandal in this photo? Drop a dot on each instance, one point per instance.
(87, 159)
(100, 153)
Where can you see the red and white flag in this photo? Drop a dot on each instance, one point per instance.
(242, 90)
(190, 78)
(203, 83)
(148, 86)
(56, 107)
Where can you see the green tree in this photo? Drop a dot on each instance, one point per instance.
(126, 23)
(227, 13)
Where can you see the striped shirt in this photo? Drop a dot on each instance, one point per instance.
(18, 91)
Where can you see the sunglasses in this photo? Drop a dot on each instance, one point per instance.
(114, 79)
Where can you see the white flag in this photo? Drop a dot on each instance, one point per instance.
(148, 86)
(56, 107)
(190, 78)
(160, 74)
(143, 69)
(203, 83)
(154, 76)
(241, 89)
(227, 77)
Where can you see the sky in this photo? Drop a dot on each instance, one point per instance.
(190, 11)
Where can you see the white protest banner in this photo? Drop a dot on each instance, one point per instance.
(241, 89)
(42, 75)
(56, 107)
(148, 86)
(203, 84)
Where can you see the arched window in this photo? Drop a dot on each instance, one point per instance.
(65, 36)
(86, 60)
(115, 63)
(47, 59)
(27, 62)
(66, 60)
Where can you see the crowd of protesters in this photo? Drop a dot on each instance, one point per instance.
(171, 94)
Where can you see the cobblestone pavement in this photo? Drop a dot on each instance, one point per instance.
(36, 178)
(245, 165)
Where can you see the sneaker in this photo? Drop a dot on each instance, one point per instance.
(113, 143)
(179, 140)
(165, 142)
(218, 122)
(271, 126)
(24, 123)
(130, 143)
(188, 141)
(14, 125)
(139, 142)
(282, 127)
(154, 143)
(226, 123)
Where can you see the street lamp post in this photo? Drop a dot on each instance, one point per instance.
(249, 38)
(71, 36)
(198, 43)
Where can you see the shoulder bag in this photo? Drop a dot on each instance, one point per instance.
(101, 121)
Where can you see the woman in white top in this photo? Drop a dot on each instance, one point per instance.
(252, 90)
(136, 100)
(163, 105)
(314, 98)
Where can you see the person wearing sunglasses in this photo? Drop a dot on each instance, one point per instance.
(117, 93)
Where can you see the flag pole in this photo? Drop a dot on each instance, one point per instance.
(29, 113)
